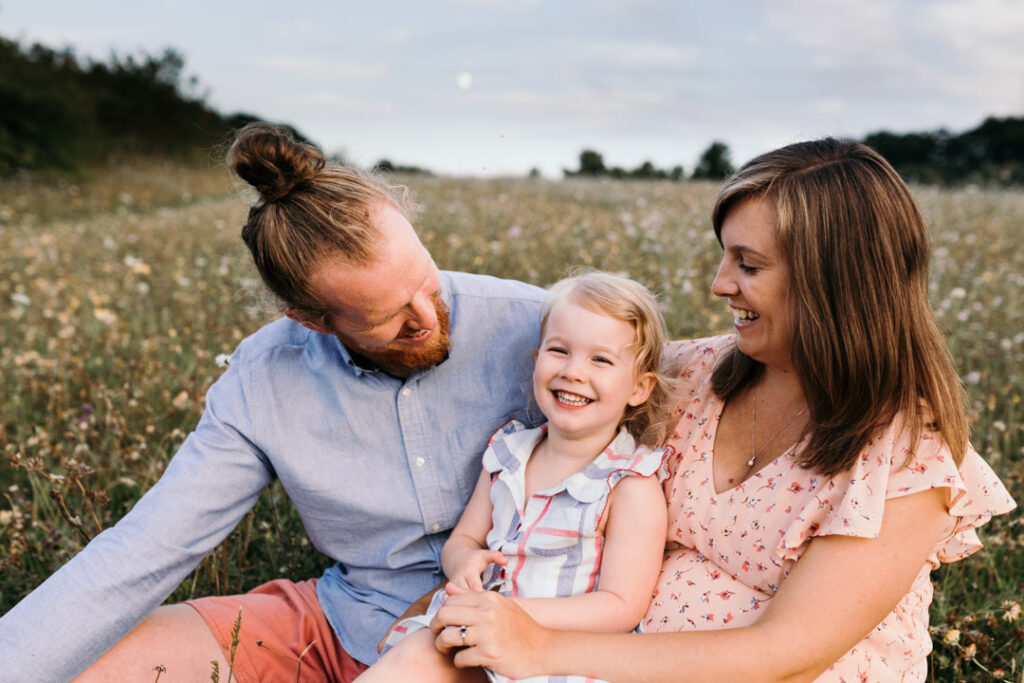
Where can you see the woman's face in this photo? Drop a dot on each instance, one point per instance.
(755, 279)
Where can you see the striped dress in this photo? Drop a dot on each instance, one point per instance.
(551, 540)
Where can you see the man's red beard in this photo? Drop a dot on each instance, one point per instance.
(403, 362)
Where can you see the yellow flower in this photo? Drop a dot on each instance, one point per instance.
(970, 651)
(1012, 612)
(952, 637)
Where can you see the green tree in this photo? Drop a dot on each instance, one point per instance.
(591, 165)
(714, 163)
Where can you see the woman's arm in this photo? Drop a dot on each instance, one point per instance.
(633, 548)
(465, 555)
(840, 589)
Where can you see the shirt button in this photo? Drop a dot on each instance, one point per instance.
(419, 462)
(435, 527)
(406, 391)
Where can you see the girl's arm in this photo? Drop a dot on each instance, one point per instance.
(465, 555)
(839, 590)
(633, 547)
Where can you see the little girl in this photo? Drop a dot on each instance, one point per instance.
(569, 518)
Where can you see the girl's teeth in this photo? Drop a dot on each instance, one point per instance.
(571, 399)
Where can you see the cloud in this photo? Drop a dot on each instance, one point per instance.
(843, 33)
(313, 66)
(399, 36)
(829, 106)
(639, 55)
(330, 101)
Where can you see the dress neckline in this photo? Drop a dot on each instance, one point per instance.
(715, 408)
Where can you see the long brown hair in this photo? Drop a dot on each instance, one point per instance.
(865, 343)
(310, 210)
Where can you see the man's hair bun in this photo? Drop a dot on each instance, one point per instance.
(271, 160)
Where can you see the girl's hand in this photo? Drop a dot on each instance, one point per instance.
(471, 565)
(499, 634)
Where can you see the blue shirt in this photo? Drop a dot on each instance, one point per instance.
(378, 468)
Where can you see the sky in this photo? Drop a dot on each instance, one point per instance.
(495, 87)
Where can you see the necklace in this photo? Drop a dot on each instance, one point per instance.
(753, 421)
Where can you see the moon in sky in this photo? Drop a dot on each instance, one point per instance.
(464, 80)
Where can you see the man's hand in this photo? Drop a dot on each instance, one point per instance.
(415, 609)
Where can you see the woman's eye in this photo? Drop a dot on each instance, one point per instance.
(748, 269)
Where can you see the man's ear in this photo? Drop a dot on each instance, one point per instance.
(308, 319)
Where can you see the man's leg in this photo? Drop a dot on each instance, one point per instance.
(174, 637)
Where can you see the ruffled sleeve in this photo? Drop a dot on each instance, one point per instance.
(622, 458)
(853, 503)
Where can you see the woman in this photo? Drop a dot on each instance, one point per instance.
(822, 465)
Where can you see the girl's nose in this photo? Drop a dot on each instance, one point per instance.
(572, 369)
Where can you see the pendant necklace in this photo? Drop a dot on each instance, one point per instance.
(753, 421)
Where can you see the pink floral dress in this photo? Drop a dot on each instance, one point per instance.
(728, 553)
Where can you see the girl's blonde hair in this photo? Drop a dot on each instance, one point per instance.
(623, 299)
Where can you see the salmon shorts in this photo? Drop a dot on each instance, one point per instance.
(284, 618)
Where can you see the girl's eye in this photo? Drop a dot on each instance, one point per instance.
(602, 359)
(556, 349)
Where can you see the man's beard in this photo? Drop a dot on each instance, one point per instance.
(403, 362)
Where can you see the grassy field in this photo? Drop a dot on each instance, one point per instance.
(121, 290)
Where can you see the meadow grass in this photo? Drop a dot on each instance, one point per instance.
(123, 287)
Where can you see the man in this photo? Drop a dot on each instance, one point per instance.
(371, 402)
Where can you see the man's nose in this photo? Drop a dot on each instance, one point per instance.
(424, 312)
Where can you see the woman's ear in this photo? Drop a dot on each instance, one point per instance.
(309, 319)
(642, 389)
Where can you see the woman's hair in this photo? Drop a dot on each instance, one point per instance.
(623, 299)
(310, 210)
(865, 343)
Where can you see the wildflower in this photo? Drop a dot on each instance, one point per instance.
(180, 401)
(6, 517)
(1012, 612)
(973, 377)
(999, 426)
(958, 293)
(20, 299)
(137, 265)
(105, 316)
(222, 360)
(970, 651)
(952, 636)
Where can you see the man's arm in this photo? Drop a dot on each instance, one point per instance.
(94, 600)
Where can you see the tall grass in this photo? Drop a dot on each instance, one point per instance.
(122, 289)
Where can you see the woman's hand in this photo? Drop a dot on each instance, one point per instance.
(499, 634)
(470, 565)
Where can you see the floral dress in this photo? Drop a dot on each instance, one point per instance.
(551, 539)
(728, 553)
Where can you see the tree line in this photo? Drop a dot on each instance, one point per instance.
(990, 154)
(58, 111)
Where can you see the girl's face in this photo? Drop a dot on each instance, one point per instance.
(755, 279)
(584, 377)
